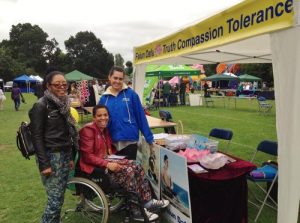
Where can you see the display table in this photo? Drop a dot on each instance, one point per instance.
(158, 123)
(217, 196)
(152, 121)
(195, 99)
(245, 97)
(221, 195)
(88, 109)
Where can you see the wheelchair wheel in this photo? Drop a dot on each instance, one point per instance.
(84, 202)
(115, 202)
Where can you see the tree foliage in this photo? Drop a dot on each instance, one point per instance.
(27, 44)
(119, 61)
(9, 67)
(88, 55)
(129, 68)
(28, 50)
(262, 70)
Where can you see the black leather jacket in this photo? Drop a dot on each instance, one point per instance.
(49, 130)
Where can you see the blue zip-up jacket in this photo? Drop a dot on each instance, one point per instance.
(127, 116)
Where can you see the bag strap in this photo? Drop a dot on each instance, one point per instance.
(17, 141)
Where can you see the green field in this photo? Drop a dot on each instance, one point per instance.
(22, 196)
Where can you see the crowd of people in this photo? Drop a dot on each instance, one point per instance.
(117, 120)
(166, 94)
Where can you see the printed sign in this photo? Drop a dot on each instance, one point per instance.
(249, 18)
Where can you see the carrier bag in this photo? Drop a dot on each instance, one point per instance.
(24, 141)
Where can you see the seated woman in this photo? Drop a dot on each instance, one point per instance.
(95, 145)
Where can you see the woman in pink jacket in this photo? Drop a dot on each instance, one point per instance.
(96, 145)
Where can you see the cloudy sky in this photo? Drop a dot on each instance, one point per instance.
(120, 24)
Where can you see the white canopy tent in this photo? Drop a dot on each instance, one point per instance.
(250, 32)
(37, 77)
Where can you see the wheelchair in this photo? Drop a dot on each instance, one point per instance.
(92, 200)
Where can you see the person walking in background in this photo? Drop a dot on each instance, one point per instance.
(182, 89)
(166, 93)
(16, 96)
(206, 87)
(2, 99)
(53, 135)
(96, 145)
(127, 115)
(239, 90)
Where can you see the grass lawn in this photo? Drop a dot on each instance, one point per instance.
(22, 196)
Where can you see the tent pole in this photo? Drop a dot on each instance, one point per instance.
(159, 87)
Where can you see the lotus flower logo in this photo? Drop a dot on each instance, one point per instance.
(158, 50)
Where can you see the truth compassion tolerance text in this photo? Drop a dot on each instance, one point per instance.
(232, 26)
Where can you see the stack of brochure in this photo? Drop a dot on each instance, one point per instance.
(197, 168)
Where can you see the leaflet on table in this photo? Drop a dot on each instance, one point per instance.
(160, 136)
(197, 168)
(117, 157)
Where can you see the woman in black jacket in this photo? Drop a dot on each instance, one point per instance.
(53, 135)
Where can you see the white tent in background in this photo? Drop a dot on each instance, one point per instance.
(230, 74)
(37, 77)
(249, 32)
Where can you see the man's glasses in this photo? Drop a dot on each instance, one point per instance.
(60, 85)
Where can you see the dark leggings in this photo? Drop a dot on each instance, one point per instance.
(129, 151)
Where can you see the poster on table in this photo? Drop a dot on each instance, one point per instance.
(149, 159)
(175, 186)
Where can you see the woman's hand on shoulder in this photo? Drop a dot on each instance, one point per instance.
(114, 167)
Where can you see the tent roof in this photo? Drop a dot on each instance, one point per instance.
(219, 77)
(24, 78)
(37, 77)
(76, 75)
(216, 40)
(247, 77)
(253, 50)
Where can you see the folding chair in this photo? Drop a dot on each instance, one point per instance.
(263, 105)
(267, 174)
(208, 100)
(224, 134)
(166, 116)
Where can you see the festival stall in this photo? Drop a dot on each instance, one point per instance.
(76, 75)
(249, 32)
(81, 92)
(162, 71)
(25, 83)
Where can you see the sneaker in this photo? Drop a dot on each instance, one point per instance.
(155, 204)
(137, 216)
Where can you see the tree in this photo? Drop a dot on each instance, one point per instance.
(210, 69)
(129, 68)
(52, 52)
(27, 43)
(88, 54)
(262, 70)
(9, 67)
(119, 61)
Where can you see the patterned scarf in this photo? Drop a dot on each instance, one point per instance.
(63, 105)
